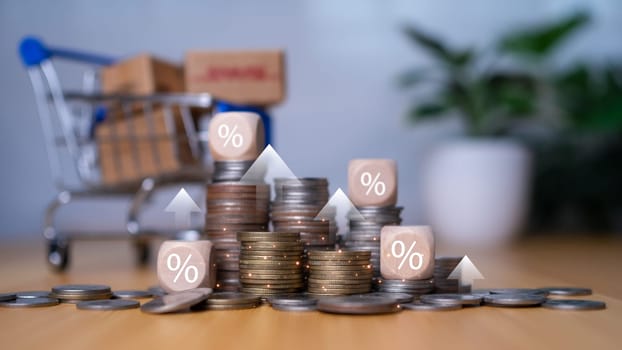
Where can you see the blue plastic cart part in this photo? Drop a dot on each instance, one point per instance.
(33, 52)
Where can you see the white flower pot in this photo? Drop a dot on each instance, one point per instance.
(476, 191)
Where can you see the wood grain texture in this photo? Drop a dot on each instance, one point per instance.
(534, 263)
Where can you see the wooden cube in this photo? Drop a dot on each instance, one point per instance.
(372, 182)
(184, 265)
(236, 136)
(406, 252)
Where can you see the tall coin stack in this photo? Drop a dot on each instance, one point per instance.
(443, 267)
(295, 207)
(270, 263)
(233, 207)
(365, 231)
(339, 272)
(235, 141)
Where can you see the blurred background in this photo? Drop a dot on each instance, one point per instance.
(509, 110)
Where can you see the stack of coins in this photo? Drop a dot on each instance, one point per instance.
(230, 170)
(339, 272)
(75, 293)
(443, 267)
(233, 207)
(232, 301)
(365, 232)
(270, 263)
(295, 207)
(412, 287)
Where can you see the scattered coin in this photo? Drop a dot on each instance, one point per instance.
(514, 300)
(358, 305)
(174, 302)
(519, 291)
(7, 296)
(29, 303)
(81, 289)
(574, 304)
(451, 299)
(108, 305)
(74, 293)
(567, 291)
(419, 306)
(295, 308)
(401, 298)
(156, 291)
(292, 300)
(33, 294)
(131, 294)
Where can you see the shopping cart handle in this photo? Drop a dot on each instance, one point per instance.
(33, 51)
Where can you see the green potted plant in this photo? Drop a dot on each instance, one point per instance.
(475, 187)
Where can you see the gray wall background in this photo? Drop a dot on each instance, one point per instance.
(342, 56)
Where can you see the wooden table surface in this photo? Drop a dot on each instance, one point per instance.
(594, 263)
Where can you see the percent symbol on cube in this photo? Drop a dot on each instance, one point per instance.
(373, 183)
(230, 135)
(179, 268)
(406, 255)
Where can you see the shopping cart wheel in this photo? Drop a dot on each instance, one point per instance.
(58, 254)
(143, 252)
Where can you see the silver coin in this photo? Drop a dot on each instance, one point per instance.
(174, 302)
(519, 291)
(80, 289)
(567, 291)
(233, 306)
(574, 304)
(358, 305)
(108, 305)
(292, 300)
(510, 300)
(157, 291)
(131, 294)
(294, 308)
(7, 296)
(451, 299)
(33, 294)
(232, 298)
(419, 306)
(29, 303)
(401, 298)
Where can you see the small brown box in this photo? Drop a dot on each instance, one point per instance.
(133, 148)
(142, 75)
(406, 252)
(242, 77)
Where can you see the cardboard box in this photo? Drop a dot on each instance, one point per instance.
(241, 77)
(129, 149)
(142, 75)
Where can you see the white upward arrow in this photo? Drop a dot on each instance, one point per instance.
(466, 272)
(183, 206)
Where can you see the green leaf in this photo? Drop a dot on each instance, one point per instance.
(540, 41)
(431, 44)
(412, 77)
(428, 111)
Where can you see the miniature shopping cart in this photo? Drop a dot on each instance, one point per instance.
(69, 121)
